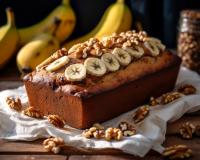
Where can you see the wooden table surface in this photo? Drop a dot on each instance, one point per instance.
(9, 78)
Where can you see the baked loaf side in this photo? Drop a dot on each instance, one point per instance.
(99, 79)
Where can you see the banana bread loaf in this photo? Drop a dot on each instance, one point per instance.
(99, 79)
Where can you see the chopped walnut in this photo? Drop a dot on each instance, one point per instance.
(113, 133)
(197, 130)
(141, 113)
(169, 97)
(93, 132)
(127, 44)
(108, 42)
(177, 152)
(127, 129)
(123, 126)
(153, 101)
(187, 130)
(187, 89)
(53, 144)
(99, 134)
(56, 121)
(74, 48)
(14, 103)
(32, 112)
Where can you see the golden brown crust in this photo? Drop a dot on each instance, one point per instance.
(95, 85)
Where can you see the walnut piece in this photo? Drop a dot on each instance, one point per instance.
(197, 130)
(177, 152)
(187, 130)
(113, 133)
(153, 101)
(56, 120)
(141, 113)
(127, 129)
(32, 112)
(169, 97)
(14, 103)
(187, 89)
(53, 144)
(93, 132)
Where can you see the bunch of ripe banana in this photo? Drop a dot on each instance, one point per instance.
(41, 40)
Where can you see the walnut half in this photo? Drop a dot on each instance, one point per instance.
(187, 89)
(127, 129)
(187, 130)
(32, 112)
(56, 121)
(14, 103)
(177, 152)
(53, 144)
(141, 113)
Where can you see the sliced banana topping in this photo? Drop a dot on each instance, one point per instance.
(136, 52)
(75, 72)
(152, 47)
(57, 64)
(110, 61)
(95, 66)
(157, 42)
(122, 56)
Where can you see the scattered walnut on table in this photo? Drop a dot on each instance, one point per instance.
(93, 132)
(141, 113)
(169, 97)
(177, 152)
(14, 103)
(127, 129)
(32, 112)
(53, 144)
(153, 101)
(113, 134)
(187, 130)
(187, 89)
(56, 120)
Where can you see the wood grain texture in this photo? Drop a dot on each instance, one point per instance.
(110, 157)
(33, 157)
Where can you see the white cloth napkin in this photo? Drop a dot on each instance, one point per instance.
(151, 132)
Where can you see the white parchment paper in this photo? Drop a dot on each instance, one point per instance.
(151, 132)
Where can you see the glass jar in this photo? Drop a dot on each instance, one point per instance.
(189, 39)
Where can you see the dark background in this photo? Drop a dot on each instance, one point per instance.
(158, 17)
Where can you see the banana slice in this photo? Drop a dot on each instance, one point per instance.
(95, 66)
(75, 72)
(110, 62)
(57, 64)
(152, 47)
(136, 52)
(157, 42)
(122, 56)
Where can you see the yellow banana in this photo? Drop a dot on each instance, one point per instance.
(62, 13)
(9, 38)
(36, 51)
(117, 18)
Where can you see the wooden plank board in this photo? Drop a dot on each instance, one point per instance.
(33, 157)
(111, 157)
